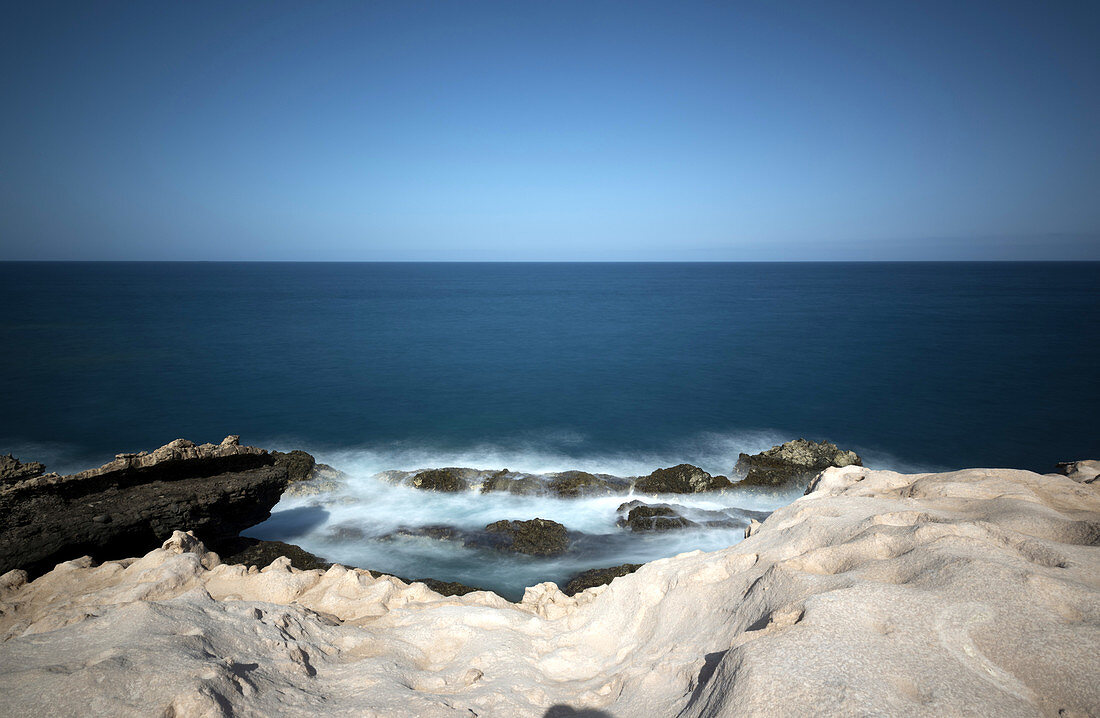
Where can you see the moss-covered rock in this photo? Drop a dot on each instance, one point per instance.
(449, 480)
(794, 462)
(598, 577)
(571, 484)
(508, 482)
(537, 537)
(652, 517)
(680, 479)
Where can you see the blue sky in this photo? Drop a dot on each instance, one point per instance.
(550, 131)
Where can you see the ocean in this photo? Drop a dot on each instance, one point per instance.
(613, 367)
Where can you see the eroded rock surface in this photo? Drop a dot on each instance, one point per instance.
(791, 463)
(971, 592)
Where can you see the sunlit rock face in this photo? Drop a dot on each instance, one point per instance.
(877, 593)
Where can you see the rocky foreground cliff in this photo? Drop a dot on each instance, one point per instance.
(965, 593)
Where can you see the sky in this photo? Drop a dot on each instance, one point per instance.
(559, 131)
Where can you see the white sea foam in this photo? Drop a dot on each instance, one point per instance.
(355, 526)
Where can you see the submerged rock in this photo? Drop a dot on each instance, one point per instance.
(680, 479)
(793, 462)
(537, 537)
(598, 577)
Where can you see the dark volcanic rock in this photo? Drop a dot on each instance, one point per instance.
(680, 479)
(132, 504)
(653, 517)
(13, 471)
(537, 537)
(793, 462)
(300, 466)
(598, 577)
(449, 479)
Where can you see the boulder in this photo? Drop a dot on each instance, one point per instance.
(536, 537)
(134, 503)
(598, 577)
(680, 479)
(794, 462)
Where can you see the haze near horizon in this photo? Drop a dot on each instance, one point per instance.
(565, 131)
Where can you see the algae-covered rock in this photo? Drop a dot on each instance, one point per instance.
(793, 462)
(255, 552)
(537, 537)
(299, 465)
(598, 577)
(449, 480)
(570, 484)
(680, 479)
(512, 483)
(653, 517)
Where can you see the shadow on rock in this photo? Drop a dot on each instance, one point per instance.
(563, 711)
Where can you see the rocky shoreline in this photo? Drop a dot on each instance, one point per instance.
(969, 592)
(132, 504)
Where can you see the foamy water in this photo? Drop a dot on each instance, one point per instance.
(354, 526)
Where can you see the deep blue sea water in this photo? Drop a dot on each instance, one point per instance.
(917, 365)
(619, 368)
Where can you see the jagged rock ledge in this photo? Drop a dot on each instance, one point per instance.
(969, 592)
(134, 502)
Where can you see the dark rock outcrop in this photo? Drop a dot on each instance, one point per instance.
(653, 517)
(537, 537)
(132, 504)
(794, 462)
(506, 481)
(571, 484)
(299, 464)
(598, 577)
(448, 480)
(680, 479)
(258, 553)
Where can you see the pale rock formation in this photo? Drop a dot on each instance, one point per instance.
(966, 593)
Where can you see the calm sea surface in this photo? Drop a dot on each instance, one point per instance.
(914, 365)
